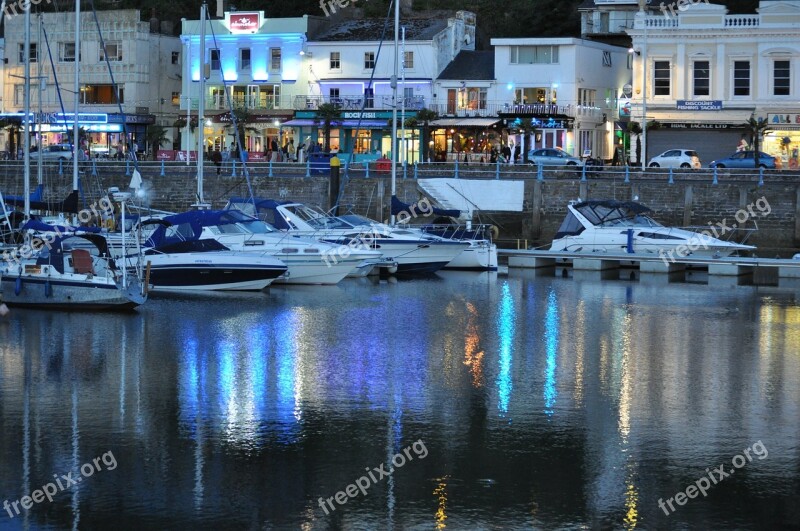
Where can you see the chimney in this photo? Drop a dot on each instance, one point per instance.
(154, 24)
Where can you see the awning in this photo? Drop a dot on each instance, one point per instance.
(465, 122)
(365, 124)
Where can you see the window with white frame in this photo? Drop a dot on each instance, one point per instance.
(527, 55)
(336, 61)
(782, 78)
(369, 60)
(66, 52)
(741, 78)
(244, 58)
(213, 55)
(176, 98)
(275, 59)
(661, 78)
(34, 53)
(19, 95)
(176, 57)
(408, 61)
(587, 97)
(113, 52)
(333, 93)
(701, 75)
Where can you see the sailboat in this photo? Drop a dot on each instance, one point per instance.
(72, 270)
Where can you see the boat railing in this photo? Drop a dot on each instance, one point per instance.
(481, 231)
(732, 234)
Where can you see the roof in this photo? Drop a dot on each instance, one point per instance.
(470, 65)
(371, 29)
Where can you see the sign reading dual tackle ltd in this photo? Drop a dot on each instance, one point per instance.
(699, 105)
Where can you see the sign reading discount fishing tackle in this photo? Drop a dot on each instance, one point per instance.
(699, 105)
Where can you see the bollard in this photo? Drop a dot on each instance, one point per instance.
(366, 169)
(497, 170)
(415, 169)
(670, 177)
(627, 174)
(270, 168)
(761, 175)
(233, 167)
(456, 175)
(539, 172)
(715, 181)
(94, 167)
(583, 173)
(162, 169)
(127, 168)
(308, 167)
(61, 166)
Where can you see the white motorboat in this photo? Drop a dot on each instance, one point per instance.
(72, 272)
(414, 251)
(609, 226)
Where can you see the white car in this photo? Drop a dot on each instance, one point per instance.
(676, 158)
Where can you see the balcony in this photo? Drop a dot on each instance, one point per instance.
(356, 102)
(489, 109)
(726, 21)
(261, 102)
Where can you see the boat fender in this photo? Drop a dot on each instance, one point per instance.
(494, 231)
(18, 286)
(48, 289)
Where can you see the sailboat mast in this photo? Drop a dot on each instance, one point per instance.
(201, 107)
(77, 87)
(394, 102)
(26, 120)
(41, 86)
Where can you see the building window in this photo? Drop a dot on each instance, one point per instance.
(19, 95)
(701, 73)
(369, 98)
(100, 94)
(66, 52)
(176, 98)
(408, 61)
(333, 93)
(661, 78)
(782, 78)
(741, 78)
(587, 97)
(214, 58)
(113, 52)
(369, 60)
(275, 59)
(336, 61)
(244, 58)
(34, 53)
(528, 55)
(176, 57)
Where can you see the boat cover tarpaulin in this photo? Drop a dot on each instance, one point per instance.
(67, 206)
(398, 207)
(472, 195)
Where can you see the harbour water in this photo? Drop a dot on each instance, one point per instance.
(515, 402)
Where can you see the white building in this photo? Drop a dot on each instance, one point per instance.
(564, 90)
(145, 66)
(708, 72)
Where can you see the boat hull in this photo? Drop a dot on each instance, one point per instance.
(182, 272)
(477, 257)
(68, 294)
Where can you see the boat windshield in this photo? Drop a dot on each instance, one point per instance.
(257, 227)
(315, 218)
(356, 220)
(624, 216)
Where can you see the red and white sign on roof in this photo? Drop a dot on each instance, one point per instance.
(240, 22)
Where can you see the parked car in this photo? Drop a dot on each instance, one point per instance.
(57, 152)
(552, 157)
(676, 158)
(745, 159)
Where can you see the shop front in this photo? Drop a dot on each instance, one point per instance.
(464, 139)
(367, 135)
(782, 139)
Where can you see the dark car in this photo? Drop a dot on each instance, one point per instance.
(745, 159)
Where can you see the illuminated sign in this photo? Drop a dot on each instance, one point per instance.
(699, 105)
(61, 118)
(244, 22)
(783, 119)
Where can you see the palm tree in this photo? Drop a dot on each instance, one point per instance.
(425, 116)
(756, 127)
(156, 137)
(328, 115)
(242, 117)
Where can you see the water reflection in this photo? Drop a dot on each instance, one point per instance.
(529, 392)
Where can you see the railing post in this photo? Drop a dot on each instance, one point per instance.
(61, 166)
(671, 181)
(127, 168)
(162, 169)
(405, 169)
(715, 181)
(456, 175)
(761, 176)
(233, 167)
(270, 168)
(366, 169)
(627, 174)
(539, 172)
(497, 169)
(308, 167)
(94, 167)
(415, 170)
(583, 173)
